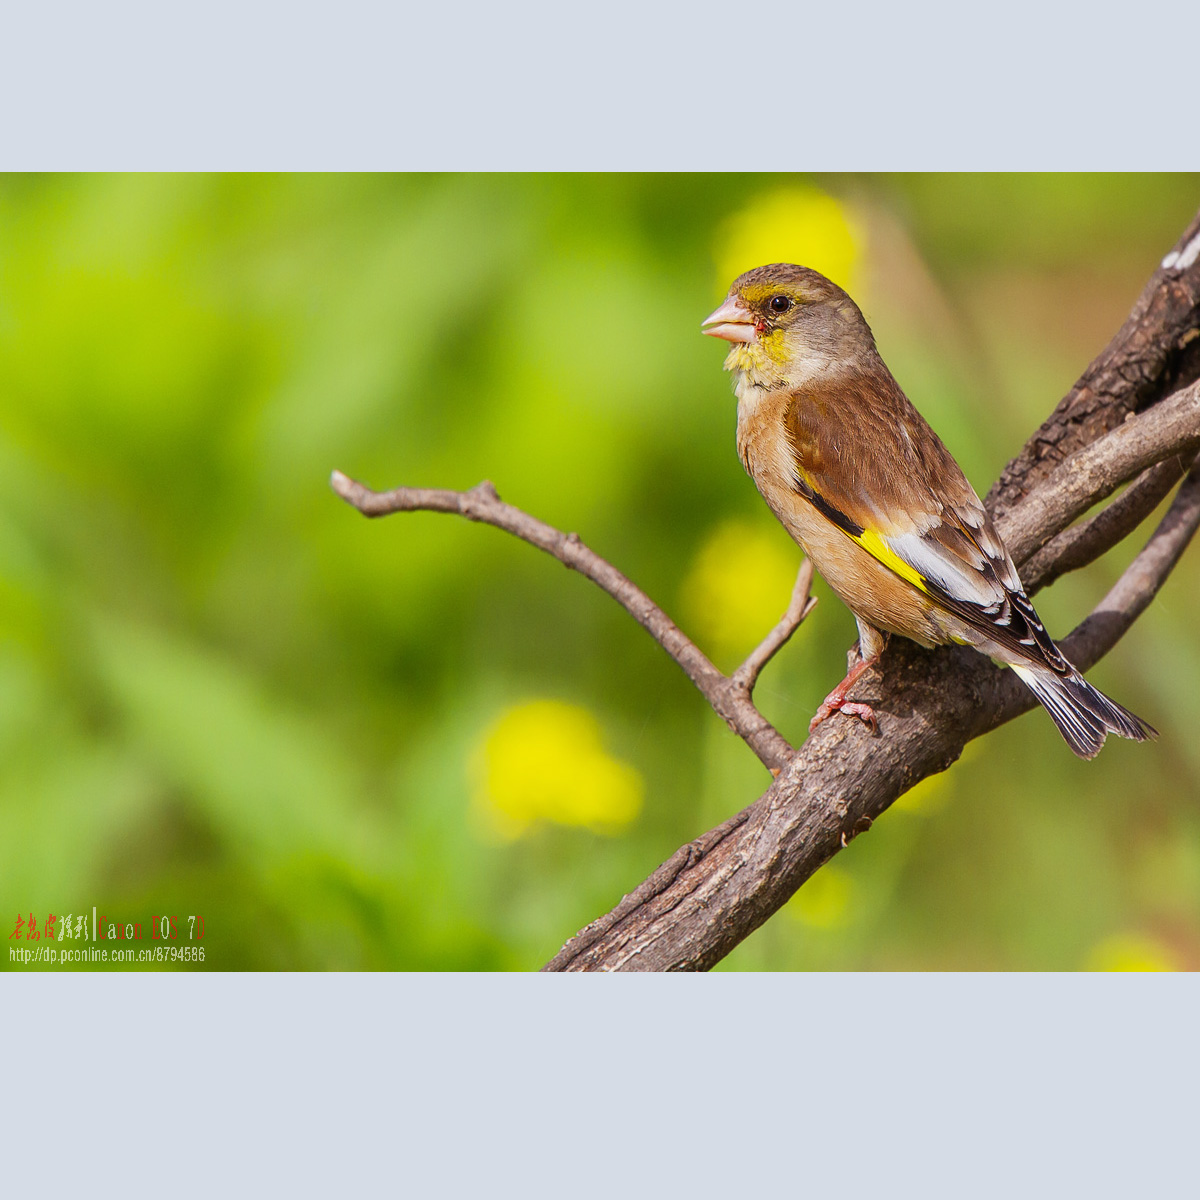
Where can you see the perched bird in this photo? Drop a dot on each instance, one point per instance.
(875, 500)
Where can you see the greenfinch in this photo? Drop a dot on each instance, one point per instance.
(873, 497)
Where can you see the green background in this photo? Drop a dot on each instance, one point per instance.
(342, 742)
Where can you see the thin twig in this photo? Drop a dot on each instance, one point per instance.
(1169, 429)
(1082, 544)
(730, 698)
(1139, 583)
(802, 603)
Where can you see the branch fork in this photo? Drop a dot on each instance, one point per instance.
(729, 695)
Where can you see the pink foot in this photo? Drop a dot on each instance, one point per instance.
(851, 708)
(836, 701)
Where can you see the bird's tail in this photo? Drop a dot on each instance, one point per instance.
(1084, 715)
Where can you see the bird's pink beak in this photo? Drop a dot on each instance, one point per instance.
(732, 321)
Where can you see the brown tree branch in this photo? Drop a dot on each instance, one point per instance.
(730, 697)
(1083, 544)
(710, 894)
(1129, 597)
(1168, 430)
(719, 888)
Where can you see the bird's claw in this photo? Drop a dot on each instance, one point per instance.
(851, 708)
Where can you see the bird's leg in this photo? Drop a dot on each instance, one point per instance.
(871, 644)
(836, 700)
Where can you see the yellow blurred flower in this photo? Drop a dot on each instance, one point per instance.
(823, 900)
(543, 760)
(1130, 952)
(738, 586)
(797, 223)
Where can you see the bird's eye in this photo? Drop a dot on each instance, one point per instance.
(780, 304)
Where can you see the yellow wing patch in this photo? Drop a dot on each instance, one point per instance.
(877, 548)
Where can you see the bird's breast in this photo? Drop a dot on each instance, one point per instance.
(868, 588)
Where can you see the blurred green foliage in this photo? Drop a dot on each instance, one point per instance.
(224, 692)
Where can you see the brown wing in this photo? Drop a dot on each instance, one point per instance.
(873, 466)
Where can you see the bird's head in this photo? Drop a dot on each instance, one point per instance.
(788, 323)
